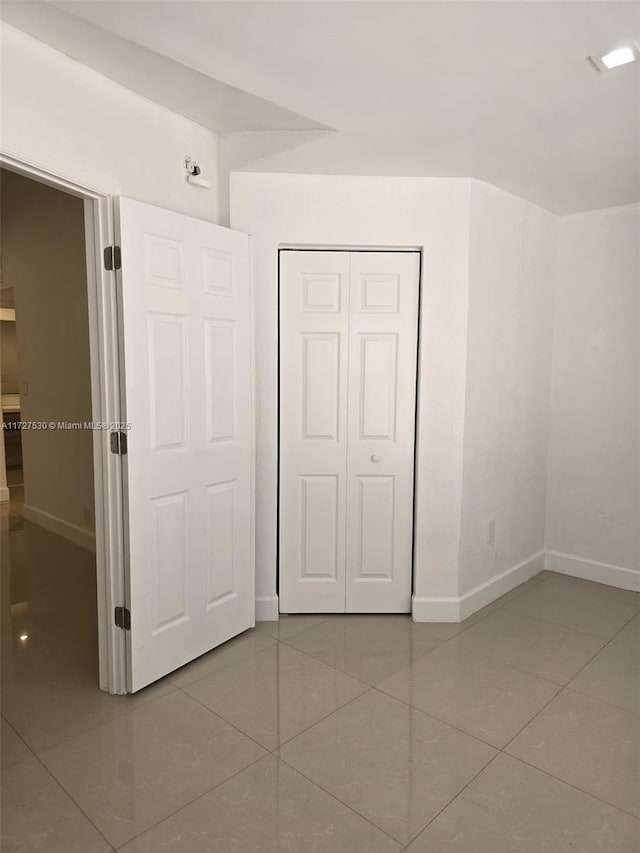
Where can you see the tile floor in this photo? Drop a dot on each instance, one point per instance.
(514, 731)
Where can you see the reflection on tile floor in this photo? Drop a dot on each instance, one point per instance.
(515, 732)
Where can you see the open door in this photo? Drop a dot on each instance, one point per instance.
(185, 315)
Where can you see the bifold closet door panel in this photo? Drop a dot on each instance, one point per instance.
(383, 340)
(314, 325)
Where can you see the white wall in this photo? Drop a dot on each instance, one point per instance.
(593, 505)
(512, 258)
(329, 210)
(243, 148)
(44, 258)
(65, 118)
(485, 365)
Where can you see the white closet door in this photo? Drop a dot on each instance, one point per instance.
(383, 333)
(314, 318)
(186, 333)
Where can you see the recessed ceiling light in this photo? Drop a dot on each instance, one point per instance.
(615, 58)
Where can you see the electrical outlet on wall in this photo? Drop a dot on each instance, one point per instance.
(24, 388)
(88, 517)
(491, 535)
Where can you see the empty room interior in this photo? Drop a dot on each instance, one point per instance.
(320, 464)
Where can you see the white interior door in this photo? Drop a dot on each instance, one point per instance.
(186, 336)
(314, 327)
(348, 362)
(383, 346)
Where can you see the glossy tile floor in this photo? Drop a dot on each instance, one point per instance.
(514, 731)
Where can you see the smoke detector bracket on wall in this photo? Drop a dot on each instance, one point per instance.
(193, 174)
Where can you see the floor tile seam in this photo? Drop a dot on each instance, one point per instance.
(555, 574)
(437, 719)
(565, 628)
(32, 753)
(302, 630)
(441, 643)
(563, 687)
(460, 794)
(224, 720)
(566, 580)
(224, 666)
(530, 721)
(342, 802)
(268, 648)
(330, 617)
(498, 660)
(331, 666)
(455, 797)
(609, 642)
(74, 801)
(191, 802)
(324, 663)
(102, 723)
(484, 657)
(572, 785)
(326, 716)
(505, 748)
(496, 751)
(559, 693)
(626, 625)
(602, 701)
(274, 750)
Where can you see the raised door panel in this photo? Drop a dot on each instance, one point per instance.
(377, 388)
(319, 533)
(167, 370)
(376, 526)
(170, 560)
(221, 379)
(320, 386)
(221, 544)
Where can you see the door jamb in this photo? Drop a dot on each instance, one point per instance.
(105, 397)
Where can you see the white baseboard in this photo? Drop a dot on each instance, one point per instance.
(486, 593)
(590, 570)
(267, 608)
(4, 494)
(425, 609)
(454, 609)
(73, 532)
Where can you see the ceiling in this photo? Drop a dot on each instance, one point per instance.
(500, 91)
(160, 78)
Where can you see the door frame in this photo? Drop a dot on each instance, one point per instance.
(323, 247)
(106, 409)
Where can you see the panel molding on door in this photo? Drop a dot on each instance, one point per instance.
(186, 334)
(348, 361)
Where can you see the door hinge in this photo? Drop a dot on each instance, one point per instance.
(112, 258)
(123, 618)
(118, 442)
